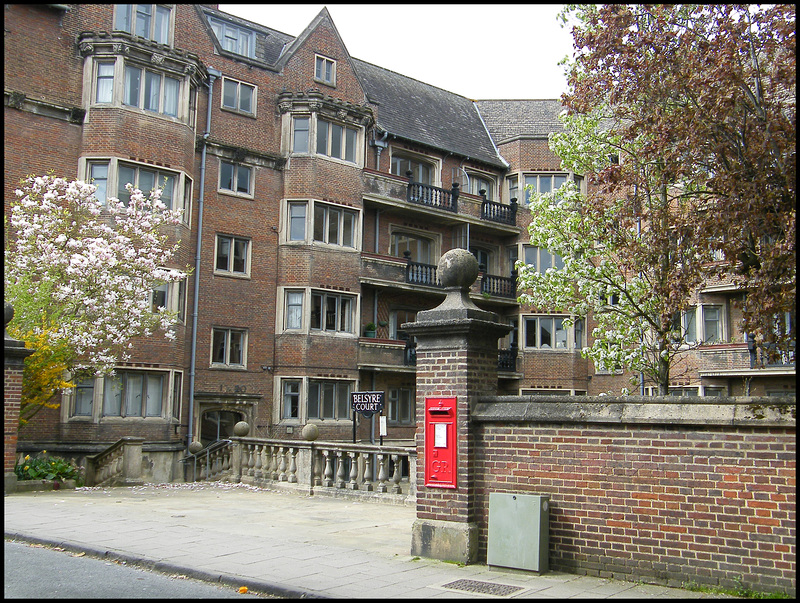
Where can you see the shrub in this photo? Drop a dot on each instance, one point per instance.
(46, 467)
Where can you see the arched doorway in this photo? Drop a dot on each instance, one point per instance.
(218, 425)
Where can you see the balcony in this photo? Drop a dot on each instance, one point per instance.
(741, 359)
(498, 212)
(432, 196)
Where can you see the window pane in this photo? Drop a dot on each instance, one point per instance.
(327, 400)
(294, 309)
(147, 181)
(98, 173)
(167, 185)
(530, 332)
(711, 317)
(240, 255)
(171, 87)
(124, 18)
(112, 396)
(242, 179)
(229, 94)
(345, 317)
(300, 135)
(161, 32)
(154, 395)
(143, 16)
(176, 395)
(223, 253)
(558, 181)
(333, 226)
(237, 347)
(561, 333)
(316, 311)
(159, 297)
(322, 137)
(336, 141)
(530, 181)
(152, 90)
(133, 78)
(218, 346)
(691, 329)
(546, 332)
(313, 400)
(545, 184)
(84, 392)
(350, 145)
(545, 259)
(529, 255)
(127, 176)
(133, 395)
(348, 229)
(291, 399)
(320, 64)
(226, 176)
(246, 98)
(297, 221)
(320, 212)
(342, 401)
(105, 82)
(330, 312)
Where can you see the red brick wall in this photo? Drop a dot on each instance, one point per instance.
(659, 503)
(12, 392)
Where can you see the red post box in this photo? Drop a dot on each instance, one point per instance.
(440, 442)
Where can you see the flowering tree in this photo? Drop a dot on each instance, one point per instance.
(80, 273)
(710, 93)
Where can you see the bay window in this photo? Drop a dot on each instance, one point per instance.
(133, 394)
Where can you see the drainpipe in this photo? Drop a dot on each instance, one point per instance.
(213, 74)
(379, 146)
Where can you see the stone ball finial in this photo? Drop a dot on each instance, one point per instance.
(458, 268)
(241, 429)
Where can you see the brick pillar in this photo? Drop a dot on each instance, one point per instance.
(14, 353)
(457, 357)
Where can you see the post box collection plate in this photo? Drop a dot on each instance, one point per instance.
(440, 442)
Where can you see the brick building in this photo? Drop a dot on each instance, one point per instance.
(320, 191)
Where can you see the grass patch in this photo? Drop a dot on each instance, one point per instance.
(738, 591)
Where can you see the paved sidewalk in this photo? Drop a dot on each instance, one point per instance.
(284, 544)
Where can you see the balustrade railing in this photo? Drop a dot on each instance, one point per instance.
(498, 212)
(422, 274)
(118, 465)
(319, 467)
(501, 286)
(432, 196)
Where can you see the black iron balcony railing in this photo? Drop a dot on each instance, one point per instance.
(497, 212)
(507, 359)
(432, 196)
(500, 286)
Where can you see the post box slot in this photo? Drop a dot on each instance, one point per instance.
(439, 411)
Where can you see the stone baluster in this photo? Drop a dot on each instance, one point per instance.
(368, 472)
(316, 477)
(293, 465)
(226, 459)
(353, 484)
(328, 481)
(251, 461)
(274, 465)
(397, 474)
(259, 463)
(382, 478)
(340, 470)
(282, 467)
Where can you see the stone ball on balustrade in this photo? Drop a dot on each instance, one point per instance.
(241, 429)
(310, 432)
(195, 447)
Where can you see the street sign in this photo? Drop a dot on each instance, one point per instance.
(367, 403)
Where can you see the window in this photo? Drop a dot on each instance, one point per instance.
(234, 178)
(334, 225)
(682, 391)
(329, 399)
(421, 248)
(149, 21)
(297, 221)
(400, 407)
(545, 183)
(712, 324)
(420, 171)
(541, 259)
(233, 38)
(110, 175)
(291, 399)
(146, 180)
(325, 70)
(684, 325)
(332, 312)
(171, 296)
(104, 89)
(84, 398)
(233, 255)
(238, 96)
(715, 391)
(151, 91)
(228, 347)
(396, 319)
(177, 386)
(483, 256)
(547, 332)
(478, 183)
(133, 394)
(335, 140)
(513, 187)
(294, 309)
(300, 129)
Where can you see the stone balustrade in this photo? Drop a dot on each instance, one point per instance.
(118, 465)
(318, 468)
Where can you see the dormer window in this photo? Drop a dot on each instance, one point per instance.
(149, 21)
(234, 38)
(325, 70)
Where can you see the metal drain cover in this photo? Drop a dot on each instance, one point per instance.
(483, 588)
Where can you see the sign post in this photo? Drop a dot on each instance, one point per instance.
(367, 403)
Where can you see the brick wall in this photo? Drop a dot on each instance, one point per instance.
(670, 504)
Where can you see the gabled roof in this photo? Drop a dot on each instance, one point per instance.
(419, 112)
(510, 119)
